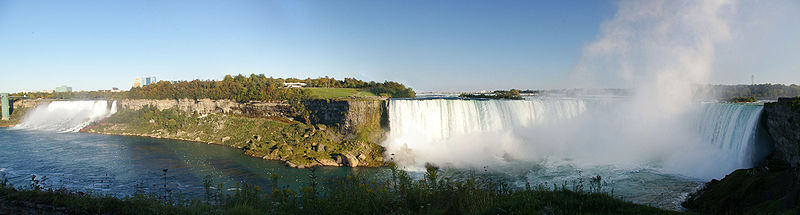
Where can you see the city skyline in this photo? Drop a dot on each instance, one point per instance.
(430, 46)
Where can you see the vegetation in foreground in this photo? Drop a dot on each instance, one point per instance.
(350, 195)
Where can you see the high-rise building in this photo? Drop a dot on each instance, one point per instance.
(136, 83)
(148, 80)
(63, 89)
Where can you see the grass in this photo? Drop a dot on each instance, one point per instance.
(334, 93)
(352, 194)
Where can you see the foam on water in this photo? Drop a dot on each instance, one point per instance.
(66, 116)
(708, 142)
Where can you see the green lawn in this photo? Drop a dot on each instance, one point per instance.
(330, 93)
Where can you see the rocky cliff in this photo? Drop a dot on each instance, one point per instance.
(774, 184)
(341, 132)
(350, 116)
(208, 106)
(18, 110)
(782, 121)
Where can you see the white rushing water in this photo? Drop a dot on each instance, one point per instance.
(708, 141)
(66, 116)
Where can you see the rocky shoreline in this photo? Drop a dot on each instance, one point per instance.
(348, 161)
(341, 133)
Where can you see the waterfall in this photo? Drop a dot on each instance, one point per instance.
(732, 127)
(66, 116)
(708, 141)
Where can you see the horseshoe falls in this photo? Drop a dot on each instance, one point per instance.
(556, 140)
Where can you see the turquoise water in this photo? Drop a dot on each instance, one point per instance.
(544, 142)
(121, 165)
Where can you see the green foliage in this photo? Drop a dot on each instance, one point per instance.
(796, 104)
(151, 117)
(761, 91)
(16, 116)
(240, 88)
(497, 94)
(742, 99)
(82, 95)
(333, 93)
(391, 89)
(298, 143)
(353, 194)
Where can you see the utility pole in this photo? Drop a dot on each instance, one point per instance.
(752, 80)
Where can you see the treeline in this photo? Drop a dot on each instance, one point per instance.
(240, 88)
(83, 95)
(513, 94)
(759, 91)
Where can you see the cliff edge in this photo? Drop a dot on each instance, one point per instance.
(338, 133)
(774, 184)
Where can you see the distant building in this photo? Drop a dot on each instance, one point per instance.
(47, 91)
(115, 90)
(136, 83)
(63, 89)
(148, 80)
(294, 85)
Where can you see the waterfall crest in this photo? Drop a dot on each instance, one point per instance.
(708, 141)
(66, 116)
(732, 127)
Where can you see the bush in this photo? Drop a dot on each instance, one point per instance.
(352, 194)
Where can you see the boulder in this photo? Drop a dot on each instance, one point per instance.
(327, 162)
(351, 160)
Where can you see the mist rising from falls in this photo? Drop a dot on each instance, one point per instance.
(707, 142)
(66, 116)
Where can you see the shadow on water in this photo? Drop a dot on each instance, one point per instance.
(120, 165)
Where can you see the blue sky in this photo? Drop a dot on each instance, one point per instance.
(429, 45)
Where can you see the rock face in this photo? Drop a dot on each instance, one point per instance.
(782, 120)
(207, 106)
(351, 160)
(774, 184)
(341, 132)
(350, 116)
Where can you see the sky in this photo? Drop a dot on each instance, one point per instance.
(428, 45)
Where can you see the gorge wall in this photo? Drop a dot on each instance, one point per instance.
(208, 106)
(350, 116)
(339, 133)
(782, 121)
(774, 184)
